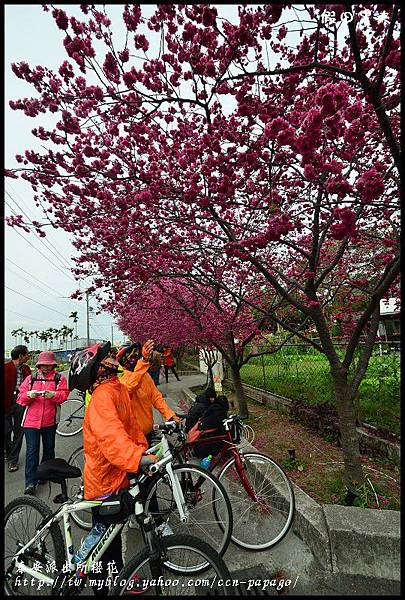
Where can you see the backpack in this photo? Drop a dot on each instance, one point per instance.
(56, 380)
(195, 432)
(209, 424)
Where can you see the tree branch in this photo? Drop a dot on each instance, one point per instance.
(390, 274)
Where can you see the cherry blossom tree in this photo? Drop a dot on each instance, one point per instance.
(239, 140)
(182, 312)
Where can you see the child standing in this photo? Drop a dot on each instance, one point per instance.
(41, 394)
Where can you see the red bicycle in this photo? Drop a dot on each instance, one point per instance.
(261, 494)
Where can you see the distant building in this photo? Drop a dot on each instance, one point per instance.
(390, 321)
(81, 343)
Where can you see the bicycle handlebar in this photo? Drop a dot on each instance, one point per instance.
(167, 427)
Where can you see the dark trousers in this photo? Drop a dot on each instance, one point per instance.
(13, 432)
(113, 555)
(173, 370)
(32, 439)
(155, 376)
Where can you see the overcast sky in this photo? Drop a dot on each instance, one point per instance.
(37, 278)
(37, 269)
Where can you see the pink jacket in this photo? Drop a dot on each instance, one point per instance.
(41, 411)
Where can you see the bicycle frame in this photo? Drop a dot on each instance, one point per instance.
(113, 530)
(64, 514)
(230, 449)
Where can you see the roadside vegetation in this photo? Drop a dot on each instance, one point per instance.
(315, 464)
(306, 377)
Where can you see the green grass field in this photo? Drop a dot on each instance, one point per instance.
(306, 377)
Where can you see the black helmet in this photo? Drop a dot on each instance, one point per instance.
(84, 366)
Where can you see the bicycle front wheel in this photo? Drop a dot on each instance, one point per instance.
(82, 518)
(138, 577)
(71, 418)
(262, 522)
(22, 519)
(209, 508)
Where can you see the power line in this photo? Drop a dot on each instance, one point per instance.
(30, 274)
(44, 288)
(39, 238)
(45, 240)
(30, 318)
(46, 258)
(64, 265)
(36, 302)
(39, 288)
(46, 243)
(18, 267)
(10, 207)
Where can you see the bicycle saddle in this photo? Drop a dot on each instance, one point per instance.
(56, 470)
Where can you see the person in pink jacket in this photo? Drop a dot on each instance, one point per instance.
(41, 394)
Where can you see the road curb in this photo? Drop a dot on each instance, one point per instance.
(345, 539)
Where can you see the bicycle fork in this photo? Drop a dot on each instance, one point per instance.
(178, 495)
(147, 525)
(240, 468)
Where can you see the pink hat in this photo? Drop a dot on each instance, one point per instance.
(46, 358)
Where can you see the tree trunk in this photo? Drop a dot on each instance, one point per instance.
(353, 476)
(240, 394)
(180, 356)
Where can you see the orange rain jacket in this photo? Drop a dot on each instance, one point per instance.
(145, 395)
(112, 439)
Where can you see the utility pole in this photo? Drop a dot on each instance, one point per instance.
(112, 335)
(88, 318)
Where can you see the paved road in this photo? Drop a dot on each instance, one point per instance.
(291, 556)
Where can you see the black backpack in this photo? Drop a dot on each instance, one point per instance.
(56, 380)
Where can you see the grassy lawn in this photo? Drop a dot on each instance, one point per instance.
(318, 468)
(307, 378)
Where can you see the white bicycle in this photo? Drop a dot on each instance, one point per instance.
(35, 549)
(209, 508)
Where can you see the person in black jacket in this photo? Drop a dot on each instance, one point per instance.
(210, 409)
(201, 403)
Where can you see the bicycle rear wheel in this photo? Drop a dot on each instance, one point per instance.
(82, 518)
(22, 517)
(261, 523)
(137, 576)
(71, 418)
(210, 512)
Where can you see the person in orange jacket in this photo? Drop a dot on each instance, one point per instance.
(143, 392)
(145, 396)
(113, 442)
